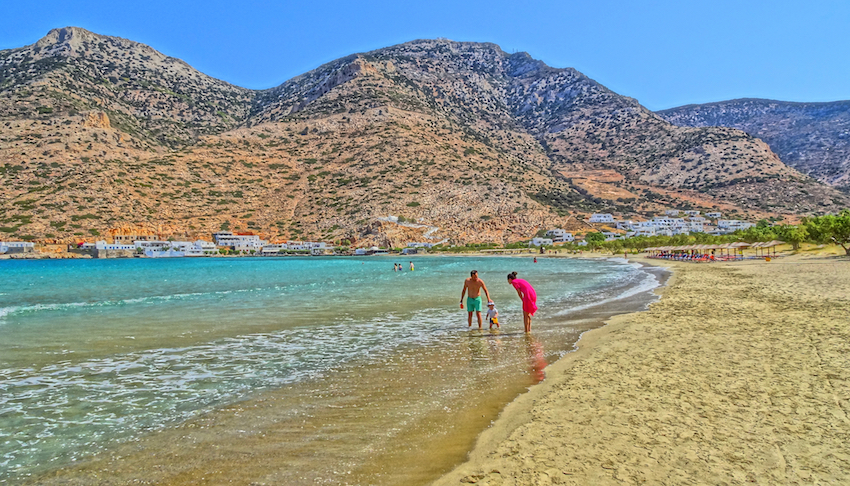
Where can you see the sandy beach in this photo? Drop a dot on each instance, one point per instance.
(738, 375)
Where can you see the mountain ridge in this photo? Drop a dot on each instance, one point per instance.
(485, 145)
(813, 137)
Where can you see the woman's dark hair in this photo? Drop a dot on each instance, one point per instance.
(511, 275)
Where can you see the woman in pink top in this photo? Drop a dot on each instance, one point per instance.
(529, 298)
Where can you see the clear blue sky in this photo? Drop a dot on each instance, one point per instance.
(664, 53)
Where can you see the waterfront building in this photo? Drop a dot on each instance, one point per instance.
(239, 242)
(537, 241)
(103, 245)
(17, 247)
(208, 247)
(275, 249)
(152, 245)
(131, 238)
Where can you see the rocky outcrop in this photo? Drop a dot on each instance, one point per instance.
(97, 119)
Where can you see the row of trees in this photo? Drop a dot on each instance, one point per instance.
(829, 229)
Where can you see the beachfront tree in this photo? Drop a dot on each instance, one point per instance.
(763, 232)
(831, 228)
(615, 246)
(594, 240)
(792, 234)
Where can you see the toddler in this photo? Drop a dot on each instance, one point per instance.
(492, 315)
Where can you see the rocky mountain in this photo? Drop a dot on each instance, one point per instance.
(462, 141)
(813, 138)
(158, 99)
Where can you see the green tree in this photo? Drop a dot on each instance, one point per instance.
(594, 240)
(792, 234)
(831, 228)
(615, 246)
(757, 233)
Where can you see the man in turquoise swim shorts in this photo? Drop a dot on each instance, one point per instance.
(473, 302)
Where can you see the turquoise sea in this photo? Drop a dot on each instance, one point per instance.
(99, 353)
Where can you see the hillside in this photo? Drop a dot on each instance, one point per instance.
(813, 138)
(101, 133)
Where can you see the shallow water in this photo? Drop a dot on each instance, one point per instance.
(285, 370)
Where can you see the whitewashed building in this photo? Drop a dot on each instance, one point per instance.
(152, 245)
(696, 227)
(601, 218)
(537, 241)
(207, 247)
(273, 249)
(559, 235)
(103, 245)
(726, 226)
(191, 248)
(714, 215)
(17, 247)
(238, 242)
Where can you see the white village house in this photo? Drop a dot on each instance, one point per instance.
(16, 247)
(537, 241)
(560, 235)
(601, 218)
(238, 242)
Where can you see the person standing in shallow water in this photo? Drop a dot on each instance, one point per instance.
(527, 295)
(473, 302)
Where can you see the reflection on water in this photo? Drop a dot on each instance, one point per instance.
(536, 356)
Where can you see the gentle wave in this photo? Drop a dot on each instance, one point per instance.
(15, 310)
(648, 282)
(120, 396)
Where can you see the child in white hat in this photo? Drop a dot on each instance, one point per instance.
(493, 315)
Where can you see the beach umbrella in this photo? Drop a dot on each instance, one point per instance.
(773, 244)
(740, 246)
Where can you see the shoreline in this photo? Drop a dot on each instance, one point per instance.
(472, 422)
(676, 394)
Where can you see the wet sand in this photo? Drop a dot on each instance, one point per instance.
(739, 374)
